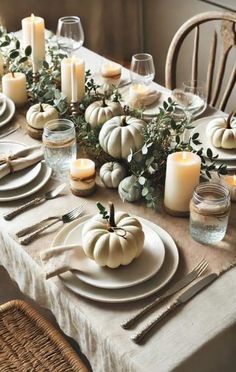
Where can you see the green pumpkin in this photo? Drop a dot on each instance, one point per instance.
(129, 189)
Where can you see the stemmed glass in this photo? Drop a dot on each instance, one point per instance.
(191, 97)
(142, 70)
(70, 33)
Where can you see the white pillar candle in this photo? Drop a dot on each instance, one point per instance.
(1, 65)
(82, 168)
(73, 69)
(230, 181)
(14, 87)
(182, 176)
(34, 34)
(110, 70)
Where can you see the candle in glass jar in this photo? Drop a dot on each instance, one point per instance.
(110, 70)
(34, 34)
(73, 78)
(230, 181)
(14, 87)
(182, 176)
(82, 177)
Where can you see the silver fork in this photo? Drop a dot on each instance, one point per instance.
(195, 273)
(34, 230)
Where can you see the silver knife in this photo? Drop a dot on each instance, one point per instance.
(184, 297)
(175, 288)
(48, 195)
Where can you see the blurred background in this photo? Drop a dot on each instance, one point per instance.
(118, 29)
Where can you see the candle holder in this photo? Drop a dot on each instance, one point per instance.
(83, 186)
(74, 108)
(35, 77)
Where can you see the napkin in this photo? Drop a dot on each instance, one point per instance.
(59, 259)
(19, 160)
(142, 98)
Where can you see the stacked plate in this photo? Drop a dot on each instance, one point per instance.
(7, 109)
(144, 276)
(21, 184)
(227, 157)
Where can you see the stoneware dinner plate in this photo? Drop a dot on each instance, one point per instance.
(142, 268)
(20, 178)
(200, 127)
(30, 188)
(8, 112)
(133, 293)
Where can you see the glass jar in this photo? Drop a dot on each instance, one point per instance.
(59, 140)
(209, 212)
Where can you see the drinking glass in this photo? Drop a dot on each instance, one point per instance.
(59, 139)
(209, 212)
(142, 70)
(70, 33)
(191, 96)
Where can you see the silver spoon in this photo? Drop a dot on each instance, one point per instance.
(47, 196)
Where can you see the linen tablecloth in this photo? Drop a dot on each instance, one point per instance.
(199, 337)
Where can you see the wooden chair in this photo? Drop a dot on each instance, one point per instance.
(216, 69)
(28, 342)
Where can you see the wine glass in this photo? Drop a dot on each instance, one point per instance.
(70, 33)
(142, 70)
(191, 97)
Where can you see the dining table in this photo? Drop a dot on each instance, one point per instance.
(200, 336)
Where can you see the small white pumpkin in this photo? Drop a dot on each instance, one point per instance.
(39, 114)
(121, 134)
(222, 132)
(115, 242)
(129, 189)
(99, 112)
(111, 174)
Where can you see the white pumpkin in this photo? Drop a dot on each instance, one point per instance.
(113, 244)
(129, 189)
(121, 134)
(39, 114)
(99, 112)
(222, 132)
(111, 174)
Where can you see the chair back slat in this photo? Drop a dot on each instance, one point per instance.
(228, 89)
(211, 67)
(228, 41)
(195, 57)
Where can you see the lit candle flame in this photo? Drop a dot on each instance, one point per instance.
(32, 17)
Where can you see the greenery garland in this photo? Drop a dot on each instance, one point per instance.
(162, 136)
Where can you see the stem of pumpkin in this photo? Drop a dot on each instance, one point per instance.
(12, 74)
(104, 102)
(123, 122)
(41, 107)
(228, 121)
(112, 215)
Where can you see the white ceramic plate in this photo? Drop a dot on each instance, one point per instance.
(151, 110)
(30, 188)
(21, 178)
(142, 268)
(200, 126)
(134, 293)
(8, 113)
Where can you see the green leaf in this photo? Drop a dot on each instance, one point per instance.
(17, 44)
(142, 180)
(165, 105)
(145, 191)
(23, 59)
(14, 54)
(209, 153)
(195, 136)
(45, 64)
(28, 50)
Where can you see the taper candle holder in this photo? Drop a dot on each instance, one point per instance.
(35, 77)
(74, 108)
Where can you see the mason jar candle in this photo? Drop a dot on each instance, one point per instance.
(82, 177)
(209, 212)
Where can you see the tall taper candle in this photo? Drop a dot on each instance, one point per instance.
(73, 69)
(34, 34)
(182, 176)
